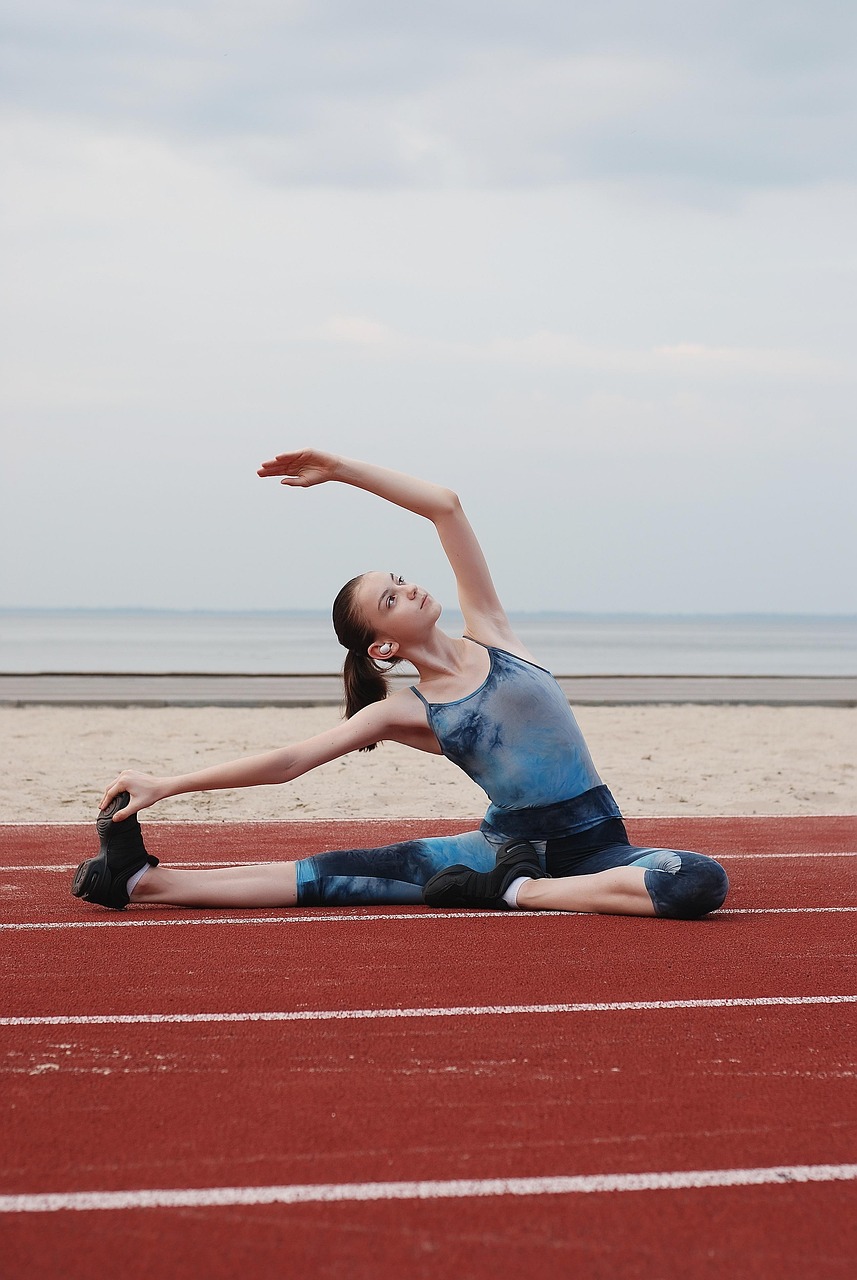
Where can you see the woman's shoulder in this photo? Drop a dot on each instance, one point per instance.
(504, 639)
(406, 721)
(400, 717)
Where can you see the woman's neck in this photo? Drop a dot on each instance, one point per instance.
(443, 659)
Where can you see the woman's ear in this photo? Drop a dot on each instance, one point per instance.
(383, 650)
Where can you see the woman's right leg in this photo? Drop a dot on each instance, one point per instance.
(392, 874)
(264, 884)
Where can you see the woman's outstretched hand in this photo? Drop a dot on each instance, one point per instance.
(302, 468)
(143, 788)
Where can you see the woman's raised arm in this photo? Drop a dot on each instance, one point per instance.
(477, 595)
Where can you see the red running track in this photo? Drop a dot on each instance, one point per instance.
(310, 1144)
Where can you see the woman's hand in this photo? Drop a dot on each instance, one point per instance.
(143, 788)
(302, 468)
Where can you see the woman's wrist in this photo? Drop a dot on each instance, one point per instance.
(175, 786)
(350, 471)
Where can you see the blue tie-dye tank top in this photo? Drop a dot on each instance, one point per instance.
(517, 737)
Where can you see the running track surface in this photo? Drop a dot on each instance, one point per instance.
(405, 1093)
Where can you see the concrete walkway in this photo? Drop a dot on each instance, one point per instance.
(321, 690)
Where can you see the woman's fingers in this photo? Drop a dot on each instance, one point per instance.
(112, 790)
(288, 476)
(285, 463)
(136, 801)
(121, 814)
(300, 468)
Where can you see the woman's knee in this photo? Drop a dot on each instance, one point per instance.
(686, 885)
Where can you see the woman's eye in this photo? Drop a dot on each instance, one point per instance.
(391, 600)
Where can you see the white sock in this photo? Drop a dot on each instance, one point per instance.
(135, 879)
(510, 897)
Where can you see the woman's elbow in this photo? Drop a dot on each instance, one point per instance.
(448, 502)
(281, 767)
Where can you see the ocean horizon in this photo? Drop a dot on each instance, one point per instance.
(301, 642)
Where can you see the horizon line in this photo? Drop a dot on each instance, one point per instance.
(209, 611)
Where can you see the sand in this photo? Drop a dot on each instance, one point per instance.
(686, 759)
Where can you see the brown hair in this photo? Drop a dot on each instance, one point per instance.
(365, 682)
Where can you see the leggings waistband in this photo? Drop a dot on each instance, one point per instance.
(554, 821)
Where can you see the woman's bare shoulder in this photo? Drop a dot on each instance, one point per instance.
(501, 637)
(407, 722)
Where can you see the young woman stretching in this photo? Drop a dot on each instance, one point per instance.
(553, 837)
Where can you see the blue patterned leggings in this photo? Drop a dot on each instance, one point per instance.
(681, 884)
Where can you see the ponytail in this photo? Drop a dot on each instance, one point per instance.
(365, 682)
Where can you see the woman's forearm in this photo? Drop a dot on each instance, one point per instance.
(270, 768)
(420, 496)
(303, 468)
(267, 769)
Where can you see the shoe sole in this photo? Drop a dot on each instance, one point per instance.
(94, 874)
(90, 877)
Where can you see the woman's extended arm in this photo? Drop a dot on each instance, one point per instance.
(396, 718)
(480, 604)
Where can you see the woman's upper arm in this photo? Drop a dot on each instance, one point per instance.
(398, 718)
(484, 615)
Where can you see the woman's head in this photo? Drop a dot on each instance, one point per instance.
(381, 614)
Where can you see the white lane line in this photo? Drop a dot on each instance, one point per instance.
(779, 911)
(464, 819)
(416, 916)
(323, 917)
(459, 1189)
(190, 866)
(468, 823)
(244, 862)
(758, 857)
(454, 1011)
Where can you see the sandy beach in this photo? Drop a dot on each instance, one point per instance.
(684, 759)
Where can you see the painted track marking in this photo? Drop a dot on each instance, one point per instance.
(326, 1193)
(464, 819)
(454, 1011)
(332, 917)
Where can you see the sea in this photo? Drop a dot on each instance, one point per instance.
(302, 642)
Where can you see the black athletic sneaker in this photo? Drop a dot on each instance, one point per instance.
(104, 879)
(461, 886)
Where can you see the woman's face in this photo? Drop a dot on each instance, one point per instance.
(396, 610)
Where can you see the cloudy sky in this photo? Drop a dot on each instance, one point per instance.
(592, 264)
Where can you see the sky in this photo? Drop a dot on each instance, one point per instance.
(591, 264)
